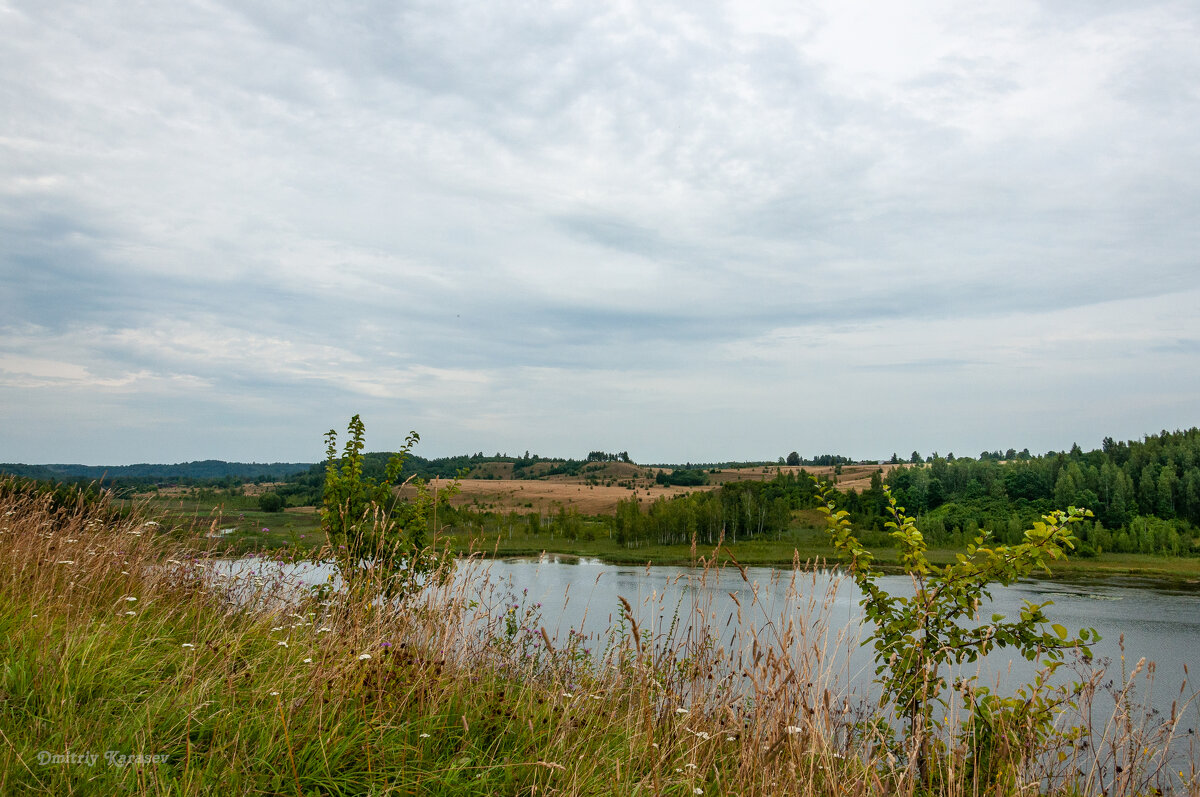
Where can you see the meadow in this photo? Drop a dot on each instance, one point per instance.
(132, 665)
(491, 519)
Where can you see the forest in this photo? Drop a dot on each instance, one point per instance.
(1145, 494)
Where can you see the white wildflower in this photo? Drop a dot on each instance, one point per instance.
(364, 656)
(131, 599)
(187, 645)
(793, 729)
(681, 711)
(282, 644)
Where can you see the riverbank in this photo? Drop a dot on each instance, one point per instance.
(806, 542)
(119, 637)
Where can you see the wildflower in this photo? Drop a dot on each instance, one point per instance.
(654, 745)
(681, 711)
(308, 661)
(568, 695)
(364, 656)
(282, 644)
(131, 599)
(265, 530)
(277, 628)
(793, 729)
(689, 766)
(130, 614)
(702, 735)
(187, 645)
(274, 693)
(697, 790)
(424, 736)
(322, 630)
(730, 739)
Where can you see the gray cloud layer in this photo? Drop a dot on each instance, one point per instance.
(692, 231)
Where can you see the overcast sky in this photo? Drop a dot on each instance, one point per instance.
(693, 231)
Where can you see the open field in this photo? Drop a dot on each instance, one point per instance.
(596, 492)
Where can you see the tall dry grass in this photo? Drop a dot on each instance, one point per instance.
(121, 635)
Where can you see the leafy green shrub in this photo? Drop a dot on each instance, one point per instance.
(917, 639)
(377, 539)
(271, 502)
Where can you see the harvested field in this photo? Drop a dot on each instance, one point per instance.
(551, 493)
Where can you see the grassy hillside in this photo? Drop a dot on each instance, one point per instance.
(121, 640)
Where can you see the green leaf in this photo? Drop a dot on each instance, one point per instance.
(1059, 630)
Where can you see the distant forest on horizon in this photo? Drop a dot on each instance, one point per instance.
(1145, 494)
(197, 472)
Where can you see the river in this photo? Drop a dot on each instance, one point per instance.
(1157, 620)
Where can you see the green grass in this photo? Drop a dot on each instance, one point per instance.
(116, 635)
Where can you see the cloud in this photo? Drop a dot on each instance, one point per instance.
(574, 224)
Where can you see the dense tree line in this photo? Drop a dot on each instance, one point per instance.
(207, 470)
(1145, 494)
(741, 510)
(682, 477)
(604, 456)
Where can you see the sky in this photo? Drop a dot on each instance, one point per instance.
(693, 231)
